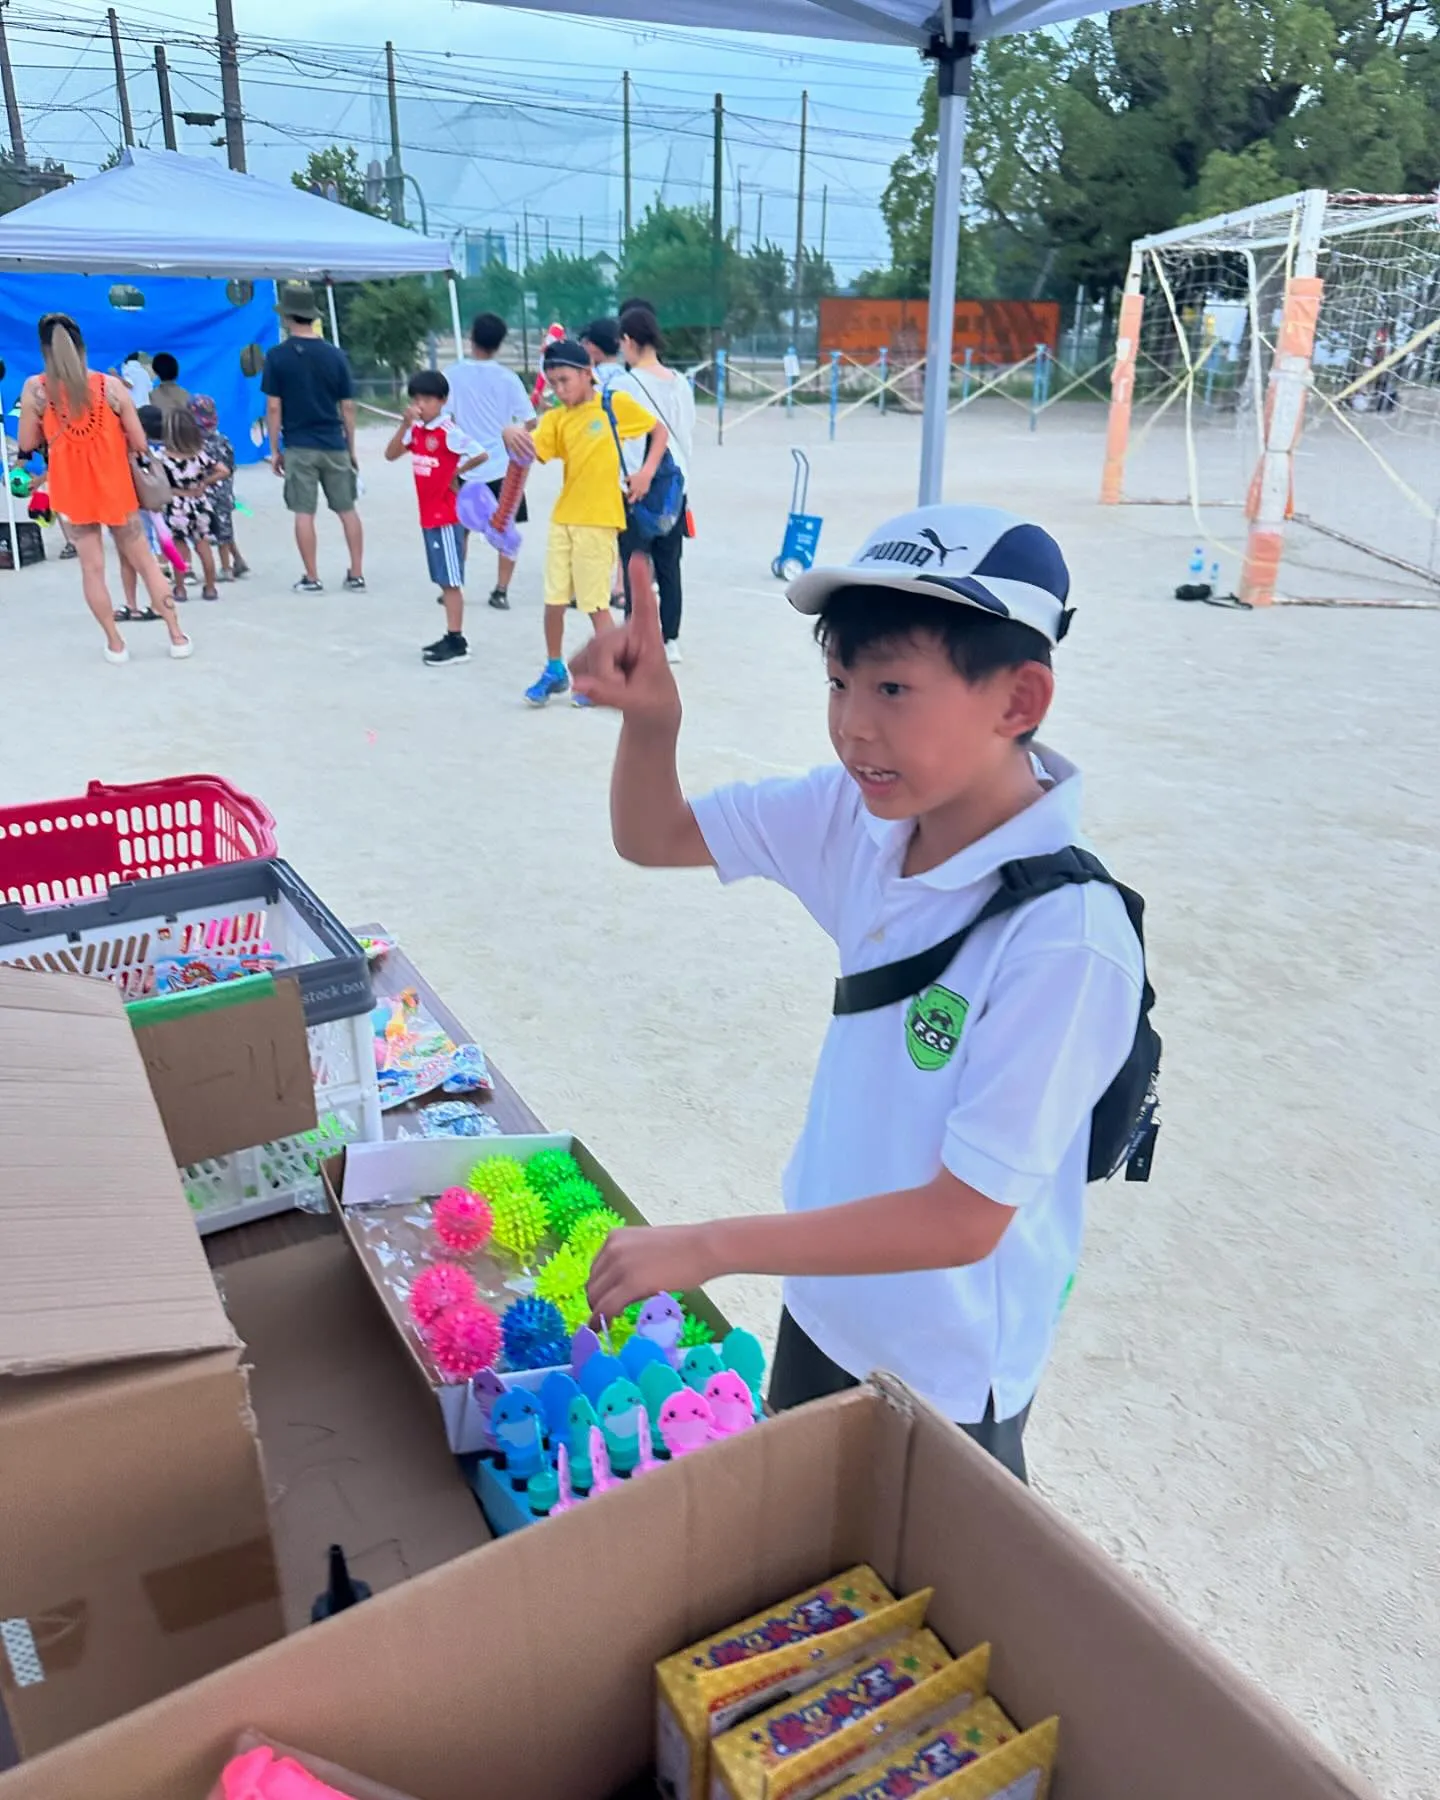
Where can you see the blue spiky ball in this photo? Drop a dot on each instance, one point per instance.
(534, 1334)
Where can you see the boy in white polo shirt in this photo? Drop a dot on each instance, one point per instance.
(935, 1200)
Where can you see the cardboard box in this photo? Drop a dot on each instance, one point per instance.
(136, 1544)
(527, 1667)
(353, 1454)
(395, 1174)
(343, 1781)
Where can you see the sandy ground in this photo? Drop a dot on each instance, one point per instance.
(1242, 1403)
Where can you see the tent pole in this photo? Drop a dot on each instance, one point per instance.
(953, 64)
(330, 302)
(9, 496)
(455, 317)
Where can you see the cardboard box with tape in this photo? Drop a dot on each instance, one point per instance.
(528, 1667)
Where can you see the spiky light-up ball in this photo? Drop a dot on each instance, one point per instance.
(589, 1233)
(548, 1169)
(464, 1339)
(534, 1334)
(561, 1274)
(497, 1176)
(694, 1331)
(463, 1221)
(621, 1331)
(434, 1289)
(571, 1201)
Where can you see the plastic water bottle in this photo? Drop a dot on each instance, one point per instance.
(1197, 564)
(1215, 576)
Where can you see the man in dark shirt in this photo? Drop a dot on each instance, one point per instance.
(310, 413)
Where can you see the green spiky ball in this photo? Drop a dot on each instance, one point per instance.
(519, 1212)
(588, 1234)
(496, 1177)
(694, 1331)
(621, 1331)
(560, 1276)
(570, 1201)
(548, 1169)
(574, 1310)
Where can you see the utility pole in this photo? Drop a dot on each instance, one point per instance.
(824, 216)
(167, 112)
(230, 84)
(629, 218)
(760, 217)
(739, 213)
(394, 174)
(12, 104)
(547, 234)
(717, 227)
(800, 212)
(582, 234)
(127, 127)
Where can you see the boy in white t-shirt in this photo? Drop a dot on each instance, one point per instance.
(485, 397)
(935, 1200)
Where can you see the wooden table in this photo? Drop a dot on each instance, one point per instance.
(392, 975)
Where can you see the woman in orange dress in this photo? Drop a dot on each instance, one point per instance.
(88, 424)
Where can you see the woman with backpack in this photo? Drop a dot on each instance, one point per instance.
(89, 426)
(667, 394)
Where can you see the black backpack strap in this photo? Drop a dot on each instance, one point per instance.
(1023, 880)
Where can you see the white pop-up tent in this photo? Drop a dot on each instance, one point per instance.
(159, 213)
(947, 35)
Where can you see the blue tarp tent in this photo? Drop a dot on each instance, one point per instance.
(196, 321)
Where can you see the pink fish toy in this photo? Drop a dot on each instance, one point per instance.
(686, 1422)
(731, 1402)
(600, 1463)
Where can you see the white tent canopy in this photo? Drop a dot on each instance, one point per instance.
(946, 33)
(159, 213)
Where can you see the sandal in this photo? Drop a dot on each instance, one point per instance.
(209, 593)
(131, 615)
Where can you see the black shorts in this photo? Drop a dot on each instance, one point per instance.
(522, 511)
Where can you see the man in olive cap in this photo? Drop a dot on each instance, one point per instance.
(310, 414)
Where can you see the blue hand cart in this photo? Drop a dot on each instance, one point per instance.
(802, 529)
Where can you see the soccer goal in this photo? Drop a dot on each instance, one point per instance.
(1277, 372)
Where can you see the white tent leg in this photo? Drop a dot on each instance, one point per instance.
(9, 497)
(334, 322)
(953, 74)
(455, 317)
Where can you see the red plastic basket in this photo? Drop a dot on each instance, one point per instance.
(57, 850)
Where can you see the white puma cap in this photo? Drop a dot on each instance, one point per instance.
(974, 555)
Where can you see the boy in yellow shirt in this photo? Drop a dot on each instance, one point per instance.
(589, 515)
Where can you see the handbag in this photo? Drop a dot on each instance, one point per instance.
(154, 489)
(657, 514)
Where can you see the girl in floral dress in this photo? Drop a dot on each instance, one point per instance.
(194, 472)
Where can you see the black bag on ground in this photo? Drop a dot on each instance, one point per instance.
(1126, 1119)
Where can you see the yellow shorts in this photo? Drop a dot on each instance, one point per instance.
(579, 562)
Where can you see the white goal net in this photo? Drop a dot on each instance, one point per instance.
(1283, 373)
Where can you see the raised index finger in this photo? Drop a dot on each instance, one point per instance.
(644, 602)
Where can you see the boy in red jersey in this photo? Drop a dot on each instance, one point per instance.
(441, 456)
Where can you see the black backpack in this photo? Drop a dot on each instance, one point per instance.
(1126, 1119)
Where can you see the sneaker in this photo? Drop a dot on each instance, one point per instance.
(306, 586)
(116, 656)
(581, 700)
(239, 568)
(552, 681)
(451, 648)
(499, 599)
(672, 651)
(354, 584)
(181, 650)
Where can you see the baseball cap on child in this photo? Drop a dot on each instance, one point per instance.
(565, 353)
(976, 556)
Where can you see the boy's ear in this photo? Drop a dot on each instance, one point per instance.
(1031, 689)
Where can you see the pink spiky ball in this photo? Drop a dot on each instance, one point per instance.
(464, 1340)
(440, 1286)
(463, 1220)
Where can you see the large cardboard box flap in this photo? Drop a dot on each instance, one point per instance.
(527, 1667)
(99, 1257)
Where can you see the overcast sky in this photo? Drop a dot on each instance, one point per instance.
(505, 115)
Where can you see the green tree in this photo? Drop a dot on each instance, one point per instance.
(385, 321)
(1163, 113)
(761, 291)
(670, 261)
(572, 289)
(340, 164)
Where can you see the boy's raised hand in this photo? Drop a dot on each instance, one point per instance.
(627, 668)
